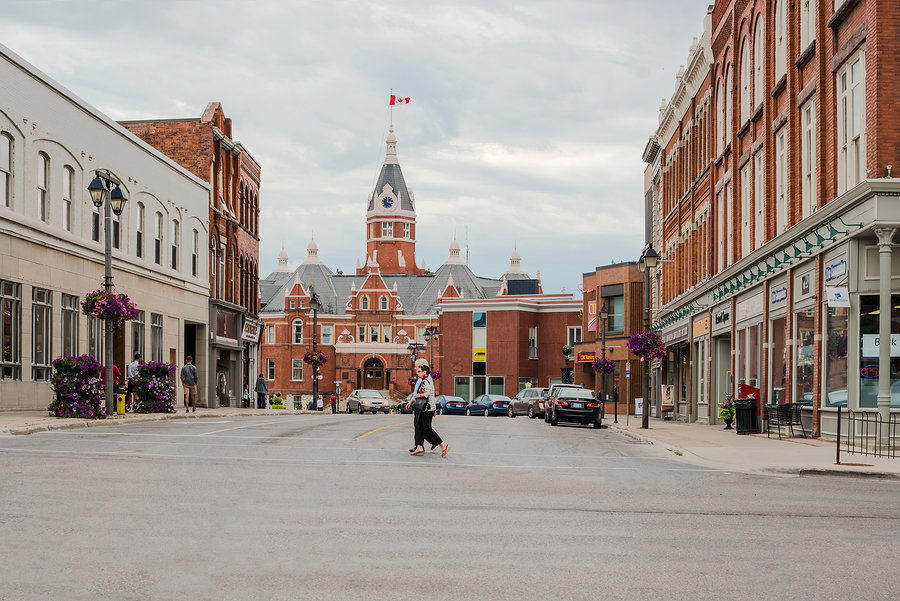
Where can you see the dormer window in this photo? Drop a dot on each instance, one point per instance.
(364, 302)
(293, 304)
(384, 303)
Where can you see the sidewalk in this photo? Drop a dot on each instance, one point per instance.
(716, 447)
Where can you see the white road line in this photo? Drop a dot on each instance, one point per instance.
(239, 428)
(236, 437)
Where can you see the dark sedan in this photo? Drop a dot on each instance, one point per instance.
(488, 404)
(451, 405)
(575, 405)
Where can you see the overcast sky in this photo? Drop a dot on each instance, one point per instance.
(526, 125)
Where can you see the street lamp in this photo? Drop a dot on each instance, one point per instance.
(646, 264)
(315, 306)
(414, 348)
(113, 202)
(431, 334)
(604, 314)
(567, 353)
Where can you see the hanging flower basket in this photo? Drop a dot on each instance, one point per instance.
(646, 345)
(114, 308)
(603, 366)
(315, 358)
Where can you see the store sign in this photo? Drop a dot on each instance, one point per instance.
(837, 296)
(871, 345)
(722, 318)
(749, 307)
(701, 327)
(835, 270)
(479, 354)
(592, 316)
(252, 330)
(675, 335)
(585, 357)
(779, 295)
(870, 372)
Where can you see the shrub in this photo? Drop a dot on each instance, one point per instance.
(154, 388)
(77, 387)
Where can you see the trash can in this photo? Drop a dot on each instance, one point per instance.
(745, 416)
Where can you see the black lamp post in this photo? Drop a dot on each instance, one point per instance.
(567, 354)
(431, 334)
(604, 314)
(646, 264)
(414, 348)
(315, 306)
(113, 202)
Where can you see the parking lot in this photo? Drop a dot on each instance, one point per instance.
(333, 507)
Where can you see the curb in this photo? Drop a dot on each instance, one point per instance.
(826, 471)
(635, 436)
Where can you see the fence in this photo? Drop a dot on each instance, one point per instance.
(867, 433)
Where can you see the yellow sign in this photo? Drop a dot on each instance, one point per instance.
(701, 327)
(479, 354)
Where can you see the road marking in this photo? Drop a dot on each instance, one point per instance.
(81, 432)
(361, 436)
(239, 428)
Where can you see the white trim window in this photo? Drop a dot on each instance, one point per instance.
(759, 61)
(746, 70)
(69, 324)
(157, 240)
(6, 155)
(387, 229)
(364, 302)
(297, 331)
(729, 220)
(781, 181)
(221, 274)
(68, 190)
(43, 179)
(361, 334)
(41, 334)
(384, 303)
(174, 263)
(386, 333)
(116, 229)
(573, 335)
(807, 23)
(270, 371)
(720, 229)
(270, 334)
(327, 334)
(296, 370)
(139, 244)
(808, 156)
(532, 342)
(156, 337)
(195, 252)
(851, 121)
(729, 103)
(407, 230)
(780, 39)
(137, 334)
(746, 209)
(759, 199)
(720, 118)
(95, 338)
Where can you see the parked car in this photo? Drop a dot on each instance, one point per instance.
(488, 404)
(521, 404)
(402, 408)
(575, 405)
(451, 405)
(367, 400)
(550, 392)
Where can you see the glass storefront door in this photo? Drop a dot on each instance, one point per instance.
(804, 336)
(779, 351)
(868, 349)
(747, 356)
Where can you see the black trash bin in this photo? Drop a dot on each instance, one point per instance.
(745, 416)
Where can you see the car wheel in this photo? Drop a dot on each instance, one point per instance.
(468, 412)
(510, 412)
(554, 420)
(486, 414)
(349, 409)
(530, 412)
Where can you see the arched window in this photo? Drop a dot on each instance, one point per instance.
(43, 184)
(780, 39)
(175, 240)
(297, 328)
(759, 60)
(364, 302)
(139, 245)
(68, 193)
(746, 99)
(384, 303)
(729, 102)
(6, 153)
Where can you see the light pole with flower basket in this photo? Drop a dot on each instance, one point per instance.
(315, 306)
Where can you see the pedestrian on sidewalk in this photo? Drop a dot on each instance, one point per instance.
(333, 401)
(245, 399)
(189, 379)
(131, 374)
(261, 390)
(422, 404)
(320, 403)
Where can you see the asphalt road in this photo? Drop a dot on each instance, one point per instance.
(333, 507)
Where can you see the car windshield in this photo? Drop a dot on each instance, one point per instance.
(576, 394)
(370, 394)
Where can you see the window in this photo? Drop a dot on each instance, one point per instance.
(746, 99)
(407, 230)
(807, 23)
(137, 334)
(729, 103)
(364, 302)
(720, 229)
(6, 151)
(746, 210)
(327, 334)
(139, 246)
(175, 241)
(759, 199)
(156, 337)
(573, 335)
(195, 251)
(221, 274)
(616, 309)
(851, 117)
(157, 241)
(270, 365)
(496, 385)
(293, 304)
(116, 226)
(43, 181)
(95, 338)
(532, 342)
(759, 61)
(384, 303)
(302, 304)
(296, 370)
(808, 157)
(721, 141)
(69, 332)
(780, 39)
(68, 190)
(297, 328)
(10, 331)
(373, 334)
(420, 330)
(780, 181)
(387, 229)
(361, 331)
(729, 220)
(41, 333)
(804, 337)
(270, 334)
(95, 224)
(835, 357)
(386, 333)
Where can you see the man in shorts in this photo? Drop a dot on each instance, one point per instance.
(189, 381)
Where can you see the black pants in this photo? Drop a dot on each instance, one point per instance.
(260, 400)
(423, 429)
(334, 408)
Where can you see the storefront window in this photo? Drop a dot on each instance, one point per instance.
(805, 353)
(496, 385)
(779, 359)
(461, 387)
(836, 358)
(869, 345)
(748, 356)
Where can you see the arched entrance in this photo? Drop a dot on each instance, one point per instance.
(373, 374)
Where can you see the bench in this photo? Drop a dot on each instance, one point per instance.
(784, 414)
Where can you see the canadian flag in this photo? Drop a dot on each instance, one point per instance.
(399, 99)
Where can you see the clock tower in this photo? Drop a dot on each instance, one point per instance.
(391, 220)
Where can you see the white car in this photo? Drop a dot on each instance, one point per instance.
(364, 400)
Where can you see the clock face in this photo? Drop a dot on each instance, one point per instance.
(387, 202)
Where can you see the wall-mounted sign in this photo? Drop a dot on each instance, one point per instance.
(779, 295)
(721, 318)
(628, 370)
(592, 316)
(749, 307)
(251, 332)
(585, 357)
(835, 270)
(701, 327)
(479, 354)
(837, 296)
(675, 335)
(870, 345)
(805, 280)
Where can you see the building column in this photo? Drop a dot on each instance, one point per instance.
(885, 237)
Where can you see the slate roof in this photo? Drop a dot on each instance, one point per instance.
(393, 176)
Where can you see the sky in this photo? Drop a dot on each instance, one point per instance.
(525, 129)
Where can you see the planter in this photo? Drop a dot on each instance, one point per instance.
(728, 424)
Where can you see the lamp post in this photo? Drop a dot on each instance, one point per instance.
(604, 314)
(315, 306)
(567, 354)
(646, 264)
(414, 348)
(432, 334)
(113, 201)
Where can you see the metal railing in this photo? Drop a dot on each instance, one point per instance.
(867, 433)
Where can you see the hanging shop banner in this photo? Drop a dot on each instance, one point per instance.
(592, 316)
(837, 296)
(252, 330)
(585, 357)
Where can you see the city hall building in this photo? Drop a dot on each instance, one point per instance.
(52, 238)
(775, 204)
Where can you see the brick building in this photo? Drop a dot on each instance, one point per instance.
(205, 147)
(620, 287)
(775, 219)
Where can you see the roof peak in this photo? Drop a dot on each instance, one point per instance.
(390, 157)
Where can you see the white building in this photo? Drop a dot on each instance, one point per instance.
(52, 246)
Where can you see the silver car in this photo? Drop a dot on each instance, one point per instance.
(364, 400)
(521, 404)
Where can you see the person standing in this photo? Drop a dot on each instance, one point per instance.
(422, 403)
(245, 399)
(320, 403)
(333, 401)
(189, 379)
(131, 373)
(261, 389)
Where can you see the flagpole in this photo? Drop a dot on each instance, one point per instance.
(392, 110)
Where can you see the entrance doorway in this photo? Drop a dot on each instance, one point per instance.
(722, 382)
(373, 374)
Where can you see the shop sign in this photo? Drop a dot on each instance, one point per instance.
(721, 318)
(252, 330)
(479, 354)
(675, 335)
(870, 345)
(835, 270)
(701, 327)
(585, 357)
(749, 307)
(779, 295)
(592, 316)
(837, 296)
(869, 372)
